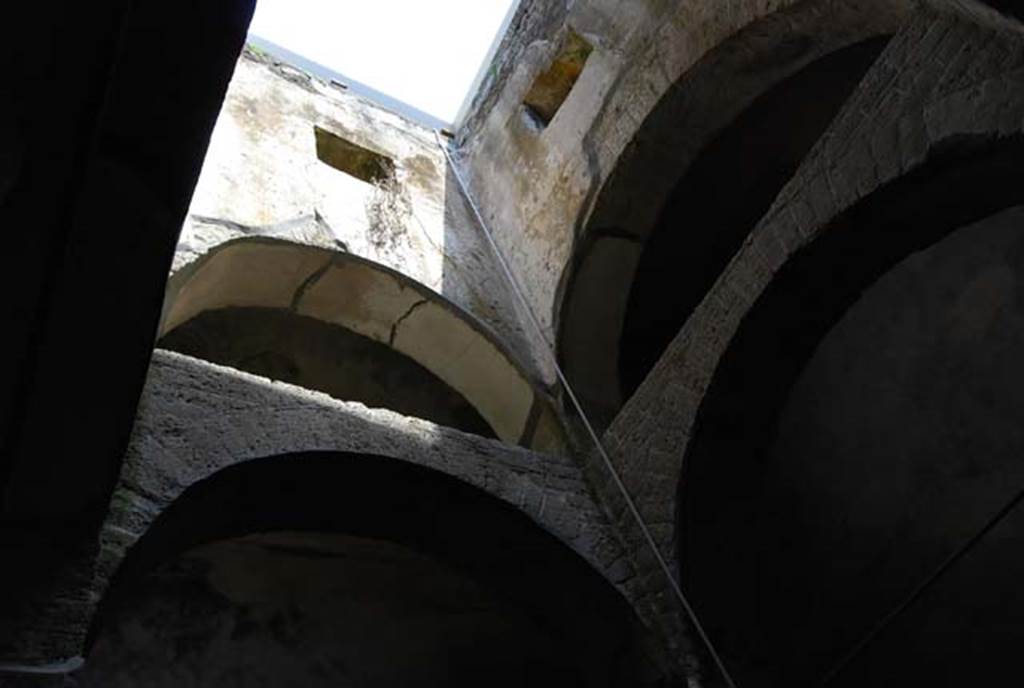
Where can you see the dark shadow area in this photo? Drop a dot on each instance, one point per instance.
(310, 353)
(859, 430)
(723, 195)
(1013, 8)
(446, 586)
(108, 116)
(964, 629)
(310, 609)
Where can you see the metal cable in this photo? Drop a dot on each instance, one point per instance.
(630, 504)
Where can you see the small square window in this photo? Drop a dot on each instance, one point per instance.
(553, 85)
(352, 159)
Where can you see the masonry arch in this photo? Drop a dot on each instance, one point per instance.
(701, 169)
(338, 323)
(906, 441)
(325, 567)
(939, 163)
(244, 469)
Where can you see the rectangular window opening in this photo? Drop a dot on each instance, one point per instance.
(552, 86)
(352, 159)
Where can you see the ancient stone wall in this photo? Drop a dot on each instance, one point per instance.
(198, 421)
(948, 92)
(372, 302)
(641, 50)
(945, 92)
(196, 418)
(320, 206)
(646, 102)
(296, 159)
(269, 173)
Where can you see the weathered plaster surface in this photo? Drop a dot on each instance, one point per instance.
(539, 186)
(262, 177)
(386, 306)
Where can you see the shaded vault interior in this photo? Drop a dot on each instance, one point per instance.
(275, 414)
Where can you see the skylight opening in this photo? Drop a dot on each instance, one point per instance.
(420, 59)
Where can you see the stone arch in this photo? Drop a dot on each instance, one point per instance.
(695, 140)
(738, 418)
(384, 507)
(196, 418)
(943, 150)
(282, 345)
(342, 290)
(217, 453)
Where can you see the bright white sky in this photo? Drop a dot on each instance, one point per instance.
(425, 53)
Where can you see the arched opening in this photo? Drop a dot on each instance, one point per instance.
(348, 570)
(722, 196)
(861, 429)
(304, 351)
(631, 289)
(375, 327)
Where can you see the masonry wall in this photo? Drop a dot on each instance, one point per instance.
(934, 123)
(540, 185)
(357, 217)
(663, 79)
(263, 177)
(536, 184)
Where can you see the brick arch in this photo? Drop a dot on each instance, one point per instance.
(377, 498)
(196, 418)
(681, 125)
(383, 472)
(961, 127)
(737, 419)
(905, 134)
(339, 289)
(961, 182)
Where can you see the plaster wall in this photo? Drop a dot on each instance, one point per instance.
(262, 177)
(538, 186)
(383, 305)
